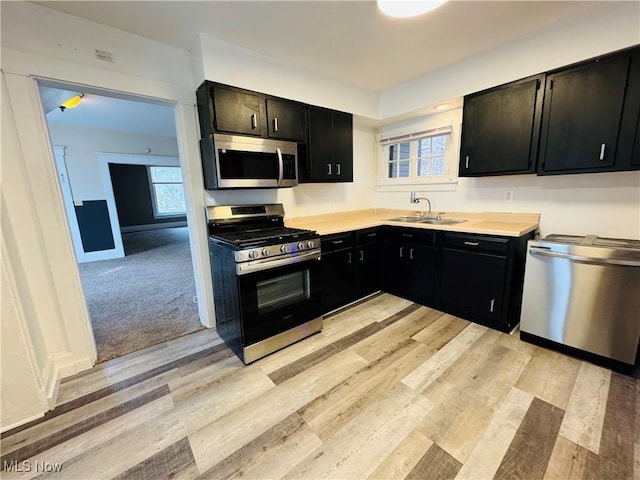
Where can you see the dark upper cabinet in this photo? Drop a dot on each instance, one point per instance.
(500, 129)
(329, 156)
(582, 117)
(227, 109)
(285, 119)
(236, 112)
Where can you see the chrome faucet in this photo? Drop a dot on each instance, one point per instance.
(416, 199)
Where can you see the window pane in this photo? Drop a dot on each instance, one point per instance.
(423, 167)
(437, 166)
(169, 198)
(166, 174)
(404, 150)
(393, 152)
(404, 168)
(424, 147)
(393, 170)
(438, 145)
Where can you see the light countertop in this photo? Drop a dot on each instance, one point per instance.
(489, 223)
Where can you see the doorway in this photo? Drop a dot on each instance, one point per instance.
(136, 271)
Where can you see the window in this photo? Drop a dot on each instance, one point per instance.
(167, 191)
(418, 158)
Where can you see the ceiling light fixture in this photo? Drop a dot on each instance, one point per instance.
(442, 106)
(71, 103)
(407, 8)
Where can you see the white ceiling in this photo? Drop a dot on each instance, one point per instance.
(97, 111)
(347, 40)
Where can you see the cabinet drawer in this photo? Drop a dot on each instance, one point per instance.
(330, 243)
(477, 243)
(368, 236)
(415, 235)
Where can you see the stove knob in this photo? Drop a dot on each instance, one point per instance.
(253, 254)
(266, 252)
(310, 244)
(301, 246)
(284, 249)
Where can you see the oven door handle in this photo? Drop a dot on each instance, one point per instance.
(260, 265)
(280, 166)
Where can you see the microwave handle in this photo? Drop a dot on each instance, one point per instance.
(280, 166)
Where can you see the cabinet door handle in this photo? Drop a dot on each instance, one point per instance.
(275, 124)
(362, 255)
(401, 252)
(338, 167)
(466, 165)
(602, 147)
(493, 302)
(254, 121)
(337, 242)
(349, 258)
(411, 254)
(407, 235)
(329, 167)
(371, 235)
(472, 244)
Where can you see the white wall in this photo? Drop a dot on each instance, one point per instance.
(80, 155)
(223, 62)
(317, 198)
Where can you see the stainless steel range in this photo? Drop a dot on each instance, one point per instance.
(266, 279)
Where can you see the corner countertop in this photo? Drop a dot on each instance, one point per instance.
(488, 223)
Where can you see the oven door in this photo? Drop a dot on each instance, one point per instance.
(277, 299)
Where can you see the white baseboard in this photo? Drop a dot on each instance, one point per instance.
(61, 365)
(153, 226)
(21, 422)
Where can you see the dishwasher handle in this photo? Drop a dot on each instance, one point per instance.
(545, 252)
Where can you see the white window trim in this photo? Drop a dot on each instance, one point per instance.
(447, 182)
(154, 202)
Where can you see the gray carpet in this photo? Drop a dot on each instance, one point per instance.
(144, 298)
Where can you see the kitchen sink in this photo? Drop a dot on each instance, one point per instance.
(441, 221)
(430, 221)
(410, 219)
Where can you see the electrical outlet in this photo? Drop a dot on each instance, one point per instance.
(77, 203)
(508, 195)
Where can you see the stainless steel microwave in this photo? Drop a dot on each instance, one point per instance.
(234, 161)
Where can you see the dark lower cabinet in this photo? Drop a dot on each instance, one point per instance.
(473, 282)
(481, 277)
(408, 264)
(338, 271)
(368, 251)
(472, 276)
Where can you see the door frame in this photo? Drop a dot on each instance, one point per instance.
(69, 205)
(68, 316)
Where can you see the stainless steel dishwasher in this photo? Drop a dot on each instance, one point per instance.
(583, 292)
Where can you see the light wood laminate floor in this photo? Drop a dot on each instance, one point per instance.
(389, 389)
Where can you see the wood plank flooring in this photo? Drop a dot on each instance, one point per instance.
(388, 390)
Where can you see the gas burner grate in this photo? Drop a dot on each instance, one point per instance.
(262, 235)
